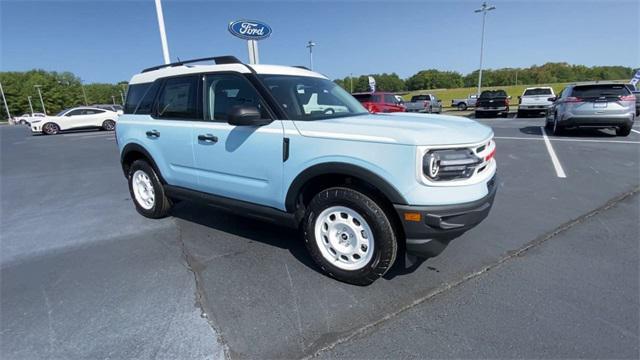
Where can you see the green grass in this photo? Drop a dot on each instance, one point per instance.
(446, 95)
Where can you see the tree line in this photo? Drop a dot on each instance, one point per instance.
(437, 79)
(60, 90)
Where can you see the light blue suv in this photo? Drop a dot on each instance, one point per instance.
(286, 144)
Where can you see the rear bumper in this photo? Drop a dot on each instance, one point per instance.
(534, 107)
(598, 120)
(492, 109)
(443, 222)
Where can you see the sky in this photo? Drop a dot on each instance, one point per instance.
(109, 41)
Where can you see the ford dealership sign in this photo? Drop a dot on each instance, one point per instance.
(250, 29)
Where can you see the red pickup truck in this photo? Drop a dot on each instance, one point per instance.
(380, 102)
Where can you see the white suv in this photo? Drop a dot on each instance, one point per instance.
(75, 118)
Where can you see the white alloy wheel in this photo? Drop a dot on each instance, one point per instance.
(143, 190)
(344, 238)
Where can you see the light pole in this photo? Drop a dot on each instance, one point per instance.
(310, 45)
(6, 107)
(30, 105)
(163, 34)
(483, 9)
(351, 79)
(113, 98)
(41, 101)
(122, 97)
(84, 94)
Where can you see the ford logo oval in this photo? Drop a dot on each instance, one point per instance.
(250, 29)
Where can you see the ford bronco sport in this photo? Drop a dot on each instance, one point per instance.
(288, 145)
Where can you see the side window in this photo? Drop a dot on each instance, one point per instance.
(75, 112)
(389, 99)
(178, 99)
(146, 104)
(224, 91)
(376, 99)
(92, 111)
(135, 93)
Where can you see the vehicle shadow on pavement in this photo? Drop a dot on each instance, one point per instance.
(277, 236)
(584, 132)
(247, 228)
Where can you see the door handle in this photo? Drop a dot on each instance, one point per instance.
(208, 138)
(153, 134)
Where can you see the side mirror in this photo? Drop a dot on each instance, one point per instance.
(552, 99)
(246, 115)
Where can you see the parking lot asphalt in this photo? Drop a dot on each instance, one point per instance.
(552, 272)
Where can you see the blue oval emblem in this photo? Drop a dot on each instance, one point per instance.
(250, 29)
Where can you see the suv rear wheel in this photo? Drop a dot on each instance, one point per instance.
(349, 236)
(147, 191)
(623, 130)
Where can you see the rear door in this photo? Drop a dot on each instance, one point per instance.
(93, 117)
(167, 113)
(238, 162)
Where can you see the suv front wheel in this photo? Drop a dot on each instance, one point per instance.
(349, 236)
(147, 191)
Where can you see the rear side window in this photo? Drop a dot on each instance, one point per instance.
(530, 92)
(134, 95)
(599, 90)
(178, 99)
(146, 105)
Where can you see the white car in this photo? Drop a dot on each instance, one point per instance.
(76, 118)
(25, 119)
(535, 100)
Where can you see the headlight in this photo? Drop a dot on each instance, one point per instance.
(449, 164)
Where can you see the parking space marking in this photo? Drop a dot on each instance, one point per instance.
(568, 140)
(552, 154)
(635, 131)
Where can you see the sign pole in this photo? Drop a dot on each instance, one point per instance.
(5, 103)
(254, 57)
(30, 105)
(163, 33)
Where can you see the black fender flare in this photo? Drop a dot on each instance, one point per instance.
(343, 169)
(133, 147)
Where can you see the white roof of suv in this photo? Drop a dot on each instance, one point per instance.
(150, 76)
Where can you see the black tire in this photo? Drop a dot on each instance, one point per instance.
(477, 115)
(108, 125)
(385, 244)
(462, 107)
(623, 130)
(522, 114)
(556, 129)
(50, 128)
(22, 122)
(161, 204)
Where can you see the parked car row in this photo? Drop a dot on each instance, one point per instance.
(385, 102)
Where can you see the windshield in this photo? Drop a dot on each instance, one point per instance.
(310, 98)
(540, 91)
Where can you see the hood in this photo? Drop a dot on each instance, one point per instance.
(399, 128)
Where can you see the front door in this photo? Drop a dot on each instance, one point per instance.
(240, 162)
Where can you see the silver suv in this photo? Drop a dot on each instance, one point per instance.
(595, 105)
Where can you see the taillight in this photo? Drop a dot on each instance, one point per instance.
(491, 155)
(573, 99)
(627, 98)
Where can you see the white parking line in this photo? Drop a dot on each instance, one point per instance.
(552, 154)
(568, 140)
(635, 131)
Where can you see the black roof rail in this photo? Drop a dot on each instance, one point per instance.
(301, 67)
(219, 60)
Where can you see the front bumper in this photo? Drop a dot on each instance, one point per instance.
(438, 224)
(492, 109)
(534, 107)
